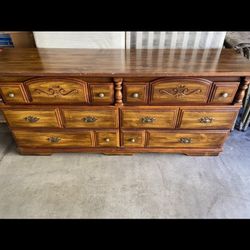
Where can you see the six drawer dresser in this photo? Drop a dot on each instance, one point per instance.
(121, 101)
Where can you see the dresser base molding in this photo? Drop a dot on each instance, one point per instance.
(121, 151)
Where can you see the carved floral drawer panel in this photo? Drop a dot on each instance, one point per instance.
(121, 101)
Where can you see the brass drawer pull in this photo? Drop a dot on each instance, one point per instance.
(107, 140)
(11, 95)
(54, 139)
(225, 95)
(185, 140)
(132, 140)
(147, 119)
(31, 119)
(89, 119)
(135, 95)
(101, 95)
(206, 119)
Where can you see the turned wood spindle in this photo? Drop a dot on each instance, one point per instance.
(118, 91)
(241, 91)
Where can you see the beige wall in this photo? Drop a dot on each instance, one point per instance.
(80, 39)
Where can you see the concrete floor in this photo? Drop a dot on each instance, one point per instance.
(140, 186)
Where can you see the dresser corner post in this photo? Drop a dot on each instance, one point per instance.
(118, 91)
(242, 90)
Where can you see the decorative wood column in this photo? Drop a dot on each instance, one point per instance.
(242, 90)
(118, 91)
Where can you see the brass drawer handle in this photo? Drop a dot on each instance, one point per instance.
(147, 119)
(132, 140)
(206, 119)
(185, 140)
(11, 95)
(31, 119)
(89, 119)
(54, 139)
(135, 95)
(107, 140)
(101, 95)
(225, 95)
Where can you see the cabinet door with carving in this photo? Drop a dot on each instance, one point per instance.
(51, 90)
(190, 90)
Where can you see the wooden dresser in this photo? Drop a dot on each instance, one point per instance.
(121, 101)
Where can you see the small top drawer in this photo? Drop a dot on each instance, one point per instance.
(224, 92)
(101, 93)
(13, 93)
(50, 90)
(194, 90)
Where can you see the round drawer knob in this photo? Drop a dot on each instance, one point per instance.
(11, 95)
(225, 95)
(107, 140)
(132, 139)
(101, 95)
(135, 95)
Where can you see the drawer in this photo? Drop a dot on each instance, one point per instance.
(90, 117)
(107, 138)
(57, 139)
(13, 93)
(224, 92)
(101, 93)
(32, 118)
(208, 117)
(49, 90)
(135, 93)
(186, 139)
(133, 138)
(180, 91)
(135, 117)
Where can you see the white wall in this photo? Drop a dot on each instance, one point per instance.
(80, 39)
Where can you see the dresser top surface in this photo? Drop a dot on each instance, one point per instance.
(122, 63)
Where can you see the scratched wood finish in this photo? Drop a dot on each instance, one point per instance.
(57, 90)
(12, 93)
(147, 117)
(207, 118)
(121, 62)
(57, 139)
(101, 93)
(32, 118)
(180, 90)
(222, 88)
(90, 117)
(195, 139)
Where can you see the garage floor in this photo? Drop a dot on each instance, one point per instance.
(139, 186)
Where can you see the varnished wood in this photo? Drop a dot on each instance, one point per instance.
(141, 89)
(131, 138)
(101, 93)
(107, 139)
(19, 118)
(199, 139)
(122, 63)
(207, 117)
(242, 90)
(118, 91)
(180, 90)
(103, 117)
(132, 117)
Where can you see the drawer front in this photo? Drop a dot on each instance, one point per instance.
(32, 118)
(107, 139)
(57, 90)
(224, 92)
(90, 117)
(187, 139)
(146, 118)
(101, 93)
(180, 91)
(135, 93)
(207, 119)
(53, 139)
(133, 139)
(13, 93)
